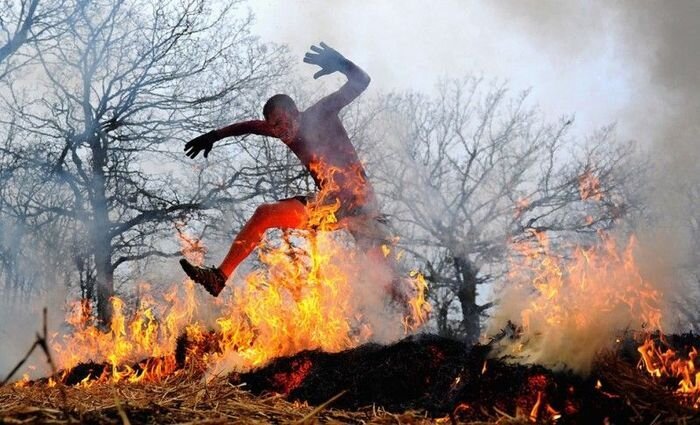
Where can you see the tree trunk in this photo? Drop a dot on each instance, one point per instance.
(466, 274)
(443, 321)
(101, 241)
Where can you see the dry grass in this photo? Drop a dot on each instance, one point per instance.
(178, 399)
(181, 399)
(185, 397)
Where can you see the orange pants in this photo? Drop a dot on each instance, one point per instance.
(291, 213)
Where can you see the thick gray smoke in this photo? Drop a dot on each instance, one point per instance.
(657, 42)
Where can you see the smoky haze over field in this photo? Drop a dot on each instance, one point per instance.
(631, 64)
(658, 41)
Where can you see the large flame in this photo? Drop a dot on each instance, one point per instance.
(314, 290)
(573, 303)
(573, 300)
(312, 294)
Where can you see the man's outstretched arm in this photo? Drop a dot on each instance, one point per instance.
(205, 142)
(331, 61)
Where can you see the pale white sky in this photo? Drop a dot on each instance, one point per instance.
(409, 44)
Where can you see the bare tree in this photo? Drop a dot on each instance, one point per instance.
(22, 271)
(123, 86)
(470, 168)
(28, 23)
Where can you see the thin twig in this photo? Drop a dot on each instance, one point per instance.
(318, 409)
(41, 341)
(120, 410)
(20, 364)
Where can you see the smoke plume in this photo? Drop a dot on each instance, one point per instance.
(656, 41)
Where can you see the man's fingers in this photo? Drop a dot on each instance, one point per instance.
(321, 73)
(311, 58)
(320, 56)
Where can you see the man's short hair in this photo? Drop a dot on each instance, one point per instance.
(281, 101)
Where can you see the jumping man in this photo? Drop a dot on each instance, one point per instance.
(317, 137)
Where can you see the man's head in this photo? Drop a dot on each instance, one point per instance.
(282, 114)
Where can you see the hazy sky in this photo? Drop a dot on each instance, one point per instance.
(409, 44)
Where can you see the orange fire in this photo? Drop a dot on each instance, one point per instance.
(131, 338)
(307, 295)
(573, 300)
(589, 186)
(667, 363)
(315, 290)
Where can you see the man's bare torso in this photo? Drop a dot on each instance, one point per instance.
(324, 148)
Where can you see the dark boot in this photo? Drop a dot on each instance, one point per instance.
(211, 278)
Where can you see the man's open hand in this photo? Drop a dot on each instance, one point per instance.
(201, 143)
(326, 57)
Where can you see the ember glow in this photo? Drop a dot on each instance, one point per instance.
(315, 290)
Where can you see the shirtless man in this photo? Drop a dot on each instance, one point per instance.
(317, 137)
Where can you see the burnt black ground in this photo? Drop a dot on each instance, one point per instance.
(442, 377)
(424, 372)
(415, 372)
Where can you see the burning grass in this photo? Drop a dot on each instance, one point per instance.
(421, 379)
(446, 379)
(314, 290)
(296, 335)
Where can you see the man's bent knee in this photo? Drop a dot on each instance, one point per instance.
(265, 210)
(286, 213)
